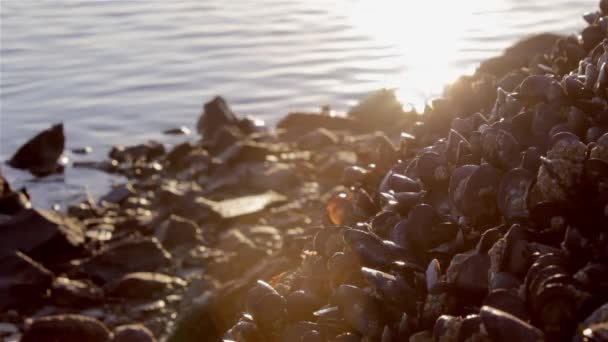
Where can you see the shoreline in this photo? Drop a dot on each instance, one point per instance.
(379, 225)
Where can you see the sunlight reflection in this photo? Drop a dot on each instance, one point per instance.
(427, 34)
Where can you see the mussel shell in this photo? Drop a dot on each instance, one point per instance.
(329, 241)
(512, 194)
(531, 160)
(480, 191)
(500, 147)
(301, 304)
(267, 307)
(447, 328)
(458, 182)
(360, 310)
(394, 289)
(369, 248)
(245, 331)
(413, 233)
(301, 332)
(504, 327)
(432, 170)
(508, 301)
(402, 183)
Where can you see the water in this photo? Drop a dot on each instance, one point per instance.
(122, 71)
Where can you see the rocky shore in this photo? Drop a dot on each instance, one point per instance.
(485, 218)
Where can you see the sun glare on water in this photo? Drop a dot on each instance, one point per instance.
(427, 34)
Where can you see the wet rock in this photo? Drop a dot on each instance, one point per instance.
(132, 255)
(41, 154)
(66, 328)
(179, 231)
(46, 235)
(118, 194)
(75, 293)
(216, 113)
(22, 280)
(141, 285)
(133, 333)
(142, 152)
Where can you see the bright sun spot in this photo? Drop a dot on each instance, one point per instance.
(426, 34)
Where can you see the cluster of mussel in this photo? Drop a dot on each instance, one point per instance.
(497, 232)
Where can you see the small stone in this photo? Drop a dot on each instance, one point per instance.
(140, 285)
(7, 328)
(118, 194)
(82, 150)
(133, 333)
(182, 130)
(66, 328)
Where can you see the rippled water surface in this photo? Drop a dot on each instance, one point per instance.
(122, 71)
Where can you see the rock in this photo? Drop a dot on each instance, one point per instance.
(14, 201)
(246, 151)
(22, 280)
(379, 110)
(180, 231)
(41, 153)
(7, 329)
(223, 138)
(141, 285)
(197, 322)
(216, 114)
(272, 176)
(298, 124)
(46, 235)
(133, 255)
(317, 139)
(82, 150)
(133, 333)
(146, 152)
(182, 130)
(66, 328)
(242, 206)
(118, 194)
(75, 293)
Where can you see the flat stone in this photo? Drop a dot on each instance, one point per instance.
(45, 235)
(22, 280)
(141, 285)
(134, 255)
(66, 328)
(41, 153)
(242, 206)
